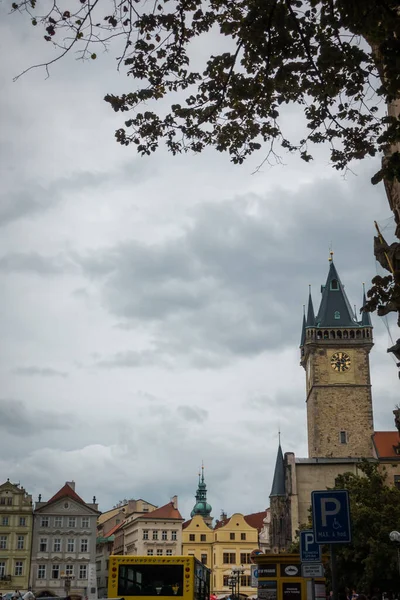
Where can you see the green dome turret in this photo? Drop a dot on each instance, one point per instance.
(201, 507)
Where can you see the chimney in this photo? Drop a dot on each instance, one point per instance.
(174, 501)
(71, 484)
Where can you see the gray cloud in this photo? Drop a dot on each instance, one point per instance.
(193, 413)
(18, 419)
(39, 371)
(20, 262)
(233, 282)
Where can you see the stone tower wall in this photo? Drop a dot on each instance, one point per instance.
(339, 402)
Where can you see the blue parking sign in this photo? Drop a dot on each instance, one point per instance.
(331, 517)
(310, 551)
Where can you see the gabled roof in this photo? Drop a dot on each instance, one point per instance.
(385, 443)
(168, 511)
(256, 520)
(186, 524)
(66, 492)
(335, 309)
(278, 483)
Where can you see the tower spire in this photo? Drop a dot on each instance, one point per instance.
(303, 328)
(310, 311)
(335, 309)
(278, 482)
(202, 507)
(366, 316)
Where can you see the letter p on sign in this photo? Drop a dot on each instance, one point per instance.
(329, 508)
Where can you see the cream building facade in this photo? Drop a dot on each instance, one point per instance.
(157, 533)
(16, 524)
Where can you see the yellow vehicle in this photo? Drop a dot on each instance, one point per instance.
(173, 577)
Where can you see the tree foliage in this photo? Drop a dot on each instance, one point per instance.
(309, 52)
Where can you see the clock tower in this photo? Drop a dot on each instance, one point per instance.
(335, 350)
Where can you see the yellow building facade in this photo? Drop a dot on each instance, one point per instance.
(222, 549)
(16, 523)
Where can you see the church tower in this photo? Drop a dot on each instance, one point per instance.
(202, 507)
(335, 350)
(280, 528)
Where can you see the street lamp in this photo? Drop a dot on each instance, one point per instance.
(67, 582)
(394, 536)
(236, 574)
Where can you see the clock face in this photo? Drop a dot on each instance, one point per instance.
(340, 362)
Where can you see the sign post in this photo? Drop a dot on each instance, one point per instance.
(310, 555)
(331, 523)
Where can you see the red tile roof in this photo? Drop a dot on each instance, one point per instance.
(113, 530)
(256, 519)
(385, 443)
(168, 511)
(66, 492)
(186, 524)
(222, 522)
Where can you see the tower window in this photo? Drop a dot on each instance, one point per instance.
(334, 284)
(337, 314)
(343, 437)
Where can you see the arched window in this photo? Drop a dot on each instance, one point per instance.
(352, 334)
(334, 284)
(358, 334)
(319, 335)
(332, 335)
(337, 314)
(326, 335)
(345, 334)
(339, 335)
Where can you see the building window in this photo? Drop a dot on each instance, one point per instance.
(174, 535)
(44, 522)
(85, 521)
(57, 545)
(82, 572)
(155, 535)
(243, 537)
(145, 534)
(159, 552)
(226, 581)
(245, 581)
(5, 521)
(3, 542)
(55, 571)
(397, 481)
(245, 558)
(192, 537)
(41, 572)
(343, 437)
(337, 314)
(334, 284)
(164, 535)
(58, 521)
(2, 568)
(2, 500)
(231, 536)
(204, 559)
(9, 501)
(69, 569)
(71, 545)
(18, 568)
(43, 545)
(20, 542)
(229, 558)
(203, 537)
(71, 522)
(84, 545)
(22, 522)
(168, 552)
(150, 552)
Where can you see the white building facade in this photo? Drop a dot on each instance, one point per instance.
(64, 545)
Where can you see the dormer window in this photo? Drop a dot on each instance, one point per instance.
(337, 314)
(334, 284)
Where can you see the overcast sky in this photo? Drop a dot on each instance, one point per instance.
(151, 308)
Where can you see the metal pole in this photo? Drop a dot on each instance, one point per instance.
(334, 572)
(312, 588)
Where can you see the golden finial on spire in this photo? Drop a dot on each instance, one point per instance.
(330, 256)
